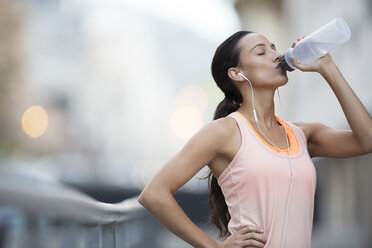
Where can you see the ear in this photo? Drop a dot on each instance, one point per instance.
(234, 74)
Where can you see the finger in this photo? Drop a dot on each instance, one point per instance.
(252, 243)
(250, 228)
(254, 236)
(296, 63)
(294, 60)
(298, 39)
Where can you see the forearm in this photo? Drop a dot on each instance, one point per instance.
(356, 114)
(167, 211)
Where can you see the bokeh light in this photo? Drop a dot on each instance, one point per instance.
(186, 120)
(35, 121)
(194, 96)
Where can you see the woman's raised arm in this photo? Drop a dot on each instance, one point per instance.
(326, 142)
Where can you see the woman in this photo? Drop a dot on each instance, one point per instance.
(262, 177)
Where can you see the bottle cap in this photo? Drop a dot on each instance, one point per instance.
(285, 62)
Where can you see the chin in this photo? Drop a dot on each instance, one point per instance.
(285, 81)
(284, 78)
(281, 81)
(274, 81)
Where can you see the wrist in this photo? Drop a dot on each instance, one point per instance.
(327, 69)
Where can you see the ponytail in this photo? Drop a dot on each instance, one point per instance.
(226, 107)
(220, 214)
(227, 55)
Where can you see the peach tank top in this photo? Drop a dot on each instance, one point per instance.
(256, 186)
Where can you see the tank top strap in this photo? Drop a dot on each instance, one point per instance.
(251, 137)
(244, 132)
(300, 134)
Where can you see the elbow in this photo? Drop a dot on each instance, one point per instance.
(154, 198)
(367, 146)
(369, 141)
(142, 198)
(147, 197)
(365, 143)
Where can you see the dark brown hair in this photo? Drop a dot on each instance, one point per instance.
(227, 55)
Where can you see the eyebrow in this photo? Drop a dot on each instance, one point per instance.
(262, 44)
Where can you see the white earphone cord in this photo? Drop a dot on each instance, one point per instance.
(290, 164)
(255, 114)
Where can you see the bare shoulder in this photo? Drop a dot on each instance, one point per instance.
(220, 129)
(224, 125)
(309, 128)
(201, 148)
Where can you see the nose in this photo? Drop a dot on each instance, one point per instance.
(277, 56)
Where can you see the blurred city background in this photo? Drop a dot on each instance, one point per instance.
(96, 95)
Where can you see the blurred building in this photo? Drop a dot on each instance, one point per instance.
(12, 87)
(116, 78)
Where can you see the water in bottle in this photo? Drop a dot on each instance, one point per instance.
(317, 44)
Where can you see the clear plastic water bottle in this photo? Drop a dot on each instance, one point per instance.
(317, 44)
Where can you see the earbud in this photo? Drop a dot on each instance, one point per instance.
(240, 74)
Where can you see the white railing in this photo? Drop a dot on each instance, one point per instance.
(45, 213)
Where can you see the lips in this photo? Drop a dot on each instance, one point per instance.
(278, 60)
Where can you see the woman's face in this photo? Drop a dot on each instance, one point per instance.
(259, 61)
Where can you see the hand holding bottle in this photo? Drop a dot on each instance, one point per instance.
(316, 44)
(318, 65)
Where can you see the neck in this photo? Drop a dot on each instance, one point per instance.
(264, 105)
